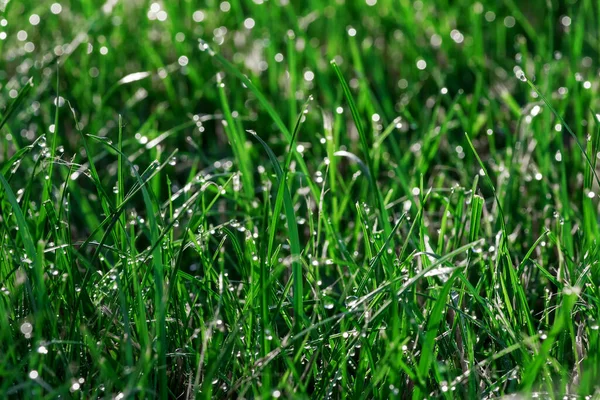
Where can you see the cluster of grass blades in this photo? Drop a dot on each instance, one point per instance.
(273, 199)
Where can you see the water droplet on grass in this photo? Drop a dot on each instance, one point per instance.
(26, 328)
(198, 16)
(268, 335)
(351, 301)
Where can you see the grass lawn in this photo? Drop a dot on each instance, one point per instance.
(308, 199)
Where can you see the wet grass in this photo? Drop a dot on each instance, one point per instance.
(317, 199)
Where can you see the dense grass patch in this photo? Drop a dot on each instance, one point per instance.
(299, 199)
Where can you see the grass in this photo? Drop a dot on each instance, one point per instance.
(261, 199)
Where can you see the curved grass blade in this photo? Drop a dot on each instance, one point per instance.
(229, 67)
(365, 148)
(284, 197)
(351, 156)
(29, 244)
(16, 102)
(563, 122)
(435, 318)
